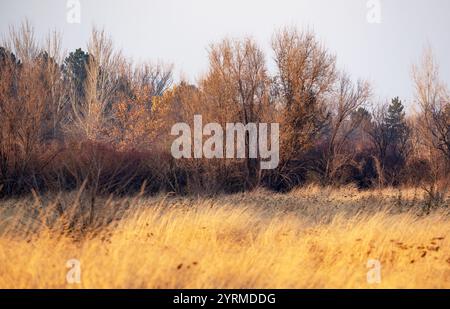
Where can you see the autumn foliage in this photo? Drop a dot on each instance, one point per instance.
(94, 118)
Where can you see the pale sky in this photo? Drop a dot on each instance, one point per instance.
(179, 31)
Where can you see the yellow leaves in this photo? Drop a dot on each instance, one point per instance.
(161, 103)
(132, 125)
(122, 107)
(156, 103)
(141, 119)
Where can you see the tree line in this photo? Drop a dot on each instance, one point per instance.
(92, 118)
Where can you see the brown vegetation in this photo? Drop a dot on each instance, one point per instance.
(96, 118)
(86, 171)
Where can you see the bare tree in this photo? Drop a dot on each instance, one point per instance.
(433, 124)
(237, 82)
(306, 74)
(157, 77)
(90, 115)
(346, 100)
(433, 98)
(50, 65)
(25, 102)
(22, 42)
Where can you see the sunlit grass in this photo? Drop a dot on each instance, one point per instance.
(311, 238)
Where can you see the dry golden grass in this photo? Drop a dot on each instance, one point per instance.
(310, 238)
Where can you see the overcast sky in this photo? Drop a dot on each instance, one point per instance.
(179, 31)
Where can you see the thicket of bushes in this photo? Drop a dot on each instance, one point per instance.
(94, 118)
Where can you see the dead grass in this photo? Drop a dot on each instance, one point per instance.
(310, 238)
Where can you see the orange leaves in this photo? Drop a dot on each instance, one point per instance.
(133, 124)
(161, 104)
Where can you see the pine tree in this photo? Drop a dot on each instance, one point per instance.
(395, 121)
(398, 133)
(75, 71)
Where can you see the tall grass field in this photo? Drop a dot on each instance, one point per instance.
(309, 238)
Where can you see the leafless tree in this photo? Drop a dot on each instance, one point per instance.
(157, 77)
(433, 98)
(101, 85)
(238, 82)
(433, 124)
(346, 100)
(22, 42)
(306, 73)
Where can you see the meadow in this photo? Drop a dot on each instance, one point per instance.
(96, 193)
(312, 237)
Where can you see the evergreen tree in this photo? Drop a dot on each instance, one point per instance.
(74, 68)
(395, 122)
(361, 115)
